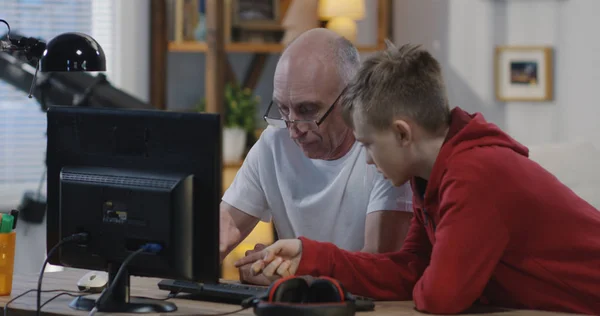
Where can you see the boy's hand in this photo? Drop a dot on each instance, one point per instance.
(278, 260)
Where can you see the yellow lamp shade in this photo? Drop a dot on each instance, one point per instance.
(343, 26)
(353, 9)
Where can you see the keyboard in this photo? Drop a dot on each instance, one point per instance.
(233, 293)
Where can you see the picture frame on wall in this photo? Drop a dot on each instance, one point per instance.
(524, 73)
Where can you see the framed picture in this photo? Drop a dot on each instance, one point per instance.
(524, 73)
(256, 13)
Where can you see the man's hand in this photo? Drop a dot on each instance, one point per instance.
(246, 275)
(281, 259)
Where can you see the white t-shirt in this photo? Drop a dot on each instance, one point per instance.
(324, 200)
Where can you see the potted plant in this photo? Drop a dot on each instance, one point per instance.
(239, 120)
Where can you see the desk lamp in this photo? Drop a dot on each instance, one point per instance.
(66, 52)
(342, 16)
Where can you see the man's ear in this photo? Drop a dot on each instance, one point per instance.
(403, 132)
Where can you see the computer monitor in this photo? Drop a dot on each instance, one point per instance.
(131, 177)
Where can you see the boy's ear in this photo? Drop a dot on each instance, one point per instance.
(402, 131)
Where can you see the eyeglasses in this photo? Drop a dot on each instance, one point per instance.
(304, 125)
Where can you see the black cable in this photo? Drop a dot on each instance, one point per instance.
(72, 238)
(29, 291)
(41, 184)
(37, 68)
(61, 294)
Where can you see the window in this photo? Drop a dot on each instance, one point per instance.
(22, 123)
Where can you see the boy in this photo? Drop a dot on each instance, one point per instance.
(490, 226)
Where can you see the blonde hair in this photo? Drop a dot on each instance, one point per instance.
(398, 82)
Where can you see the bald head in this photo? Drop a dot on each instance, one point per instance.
(322, 47)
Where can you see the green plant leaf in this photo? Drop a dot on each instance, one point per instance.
(240, 107)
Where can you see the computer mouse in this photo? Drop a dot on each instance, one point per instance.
(93, 282)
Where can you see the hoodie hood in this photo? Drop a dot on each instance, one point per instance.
(466, 132)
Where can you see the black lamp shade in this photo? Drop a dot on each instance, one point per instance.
(73, 52)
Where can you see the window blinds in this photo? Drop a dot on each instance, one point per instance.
(22, 123)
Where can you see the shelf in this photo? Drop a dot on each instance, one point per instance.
(193, 47)
(370, 49)
(201, 47)
(233, 165)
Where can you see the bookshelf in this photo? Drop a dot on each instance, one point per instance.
(168, 23)
(268, 48)
(202, 47)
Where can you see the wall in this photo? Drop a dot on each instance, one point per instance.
(462, 35)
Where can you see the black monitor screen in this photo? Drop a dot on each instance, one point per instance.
(129, 177)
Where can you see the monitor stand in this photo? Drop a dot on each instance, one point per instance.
(120, 301)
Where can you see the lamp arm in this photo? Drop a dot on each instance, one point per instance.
(32, 47)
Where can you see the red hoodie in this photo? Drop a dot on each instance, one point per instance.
(492, 226)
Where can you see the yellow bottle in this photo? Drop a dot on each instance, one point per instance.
(7, 261)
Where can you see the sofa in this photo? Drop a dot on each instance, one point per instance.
(577, 165)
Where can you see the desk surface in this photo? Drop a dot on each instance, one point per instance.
(147, 287)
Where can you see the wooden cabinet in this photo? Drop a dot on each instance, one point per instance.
(262, 233)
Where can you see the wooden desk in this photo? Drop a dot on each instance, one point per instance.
(147, 287)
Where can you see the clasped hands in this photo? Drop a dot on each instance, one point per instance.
(263, 265)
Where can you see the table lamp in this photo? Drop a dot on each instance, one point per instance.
(342, 16)
(73, 52)
(66, 52)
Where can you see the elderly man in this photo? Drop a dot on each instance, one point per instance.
(307, 172)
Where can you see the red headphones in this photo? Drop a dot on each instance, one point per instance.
(293, 296)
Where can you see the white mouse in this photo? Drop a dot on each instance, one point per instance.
(93, 282)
